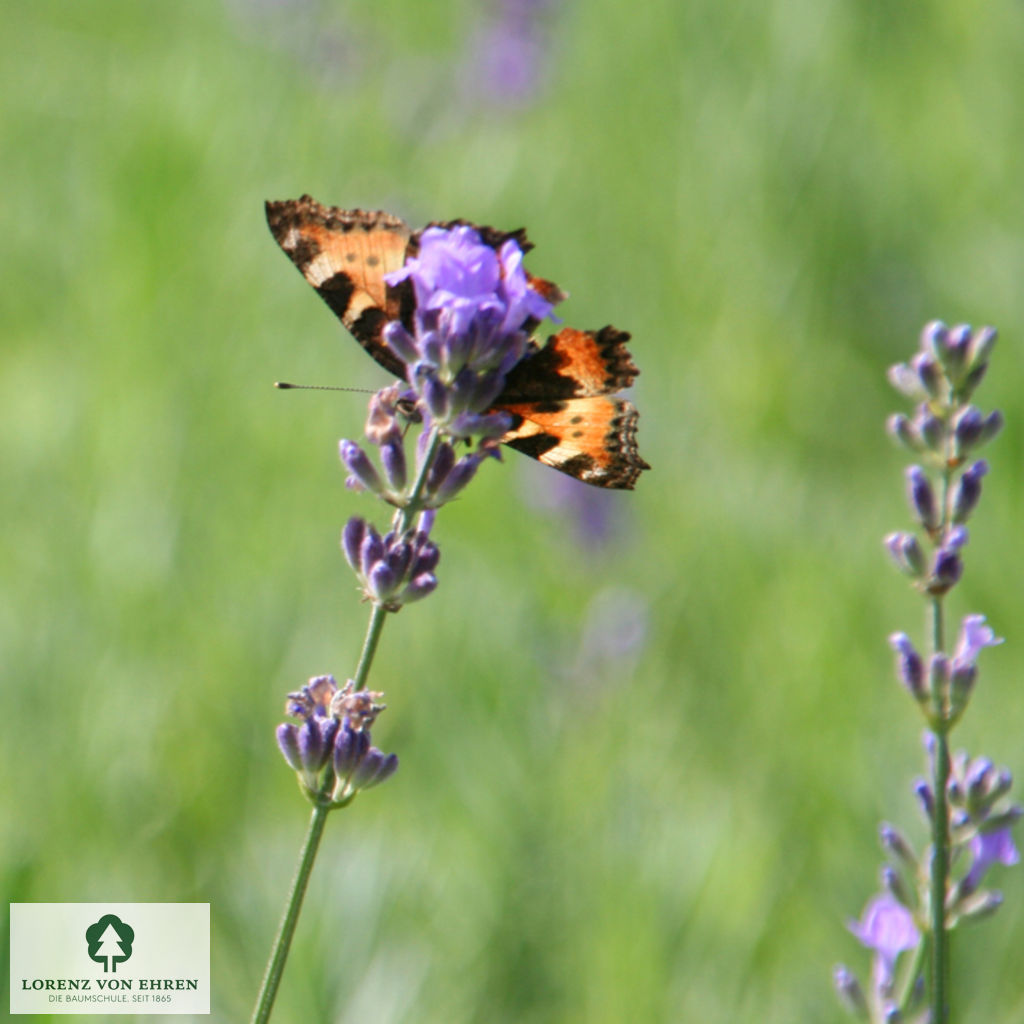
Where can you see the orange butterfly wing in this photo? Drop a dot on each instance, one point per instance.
(558, 395)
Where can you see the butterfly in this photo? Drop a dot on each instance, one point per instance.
(561, 396)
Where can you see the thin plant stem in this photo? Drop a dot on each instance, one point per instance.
(939, 879)
(283, 940)
(940, 820)
(311, 844)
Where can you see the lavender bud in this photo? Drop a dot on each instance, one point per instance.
(968, 491)
(973, 378)
(422, 585)
(392, 457)
(992, 425)
(950, 348)
(925, 798)
(906, 553)
(444, 459)
(359, 465)
(401, 342)
(462, 472)
(427, 557)
(929, 374)
(1004, 820)
(895, 843)
(967, 426)
(909, 668)
(288, 741)
(432, 346)
(381, 582)
(371, 551)
(976, 779)
(373, 769)
(933, 337)
(946, 571)
(905, 380)
(350, 747)
(849, 991)
(921, 498)
(961, 684)
(435, 394)
(398, 558)
(351, 540)
(312, 750)
(999, 785)
(980, 905)
(894, 884)
(931, 429)
(900, 429)
(981, 346)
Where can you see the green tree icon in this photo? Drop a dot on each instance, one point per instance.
(110, 941)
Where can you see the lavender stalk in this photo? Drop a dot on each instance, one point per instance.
(473, 303)
(964, 800)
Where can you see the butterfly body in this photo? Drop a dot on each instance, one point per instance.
(561, 395)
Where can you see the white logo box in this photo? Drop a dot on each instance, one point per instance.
(110, 958)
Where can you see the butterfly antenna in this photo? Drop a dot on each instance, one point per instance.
(285, 386)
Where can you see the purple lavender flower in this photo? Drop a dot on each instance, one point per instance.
(988, 848)
(887, 927)
(974, 637)
(472, 304)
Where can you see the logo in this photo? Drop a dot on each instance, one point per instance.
(561, 395)
(107, 959)
(110, 941)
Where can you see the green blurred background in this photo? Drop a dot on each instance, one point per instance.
(641, 773)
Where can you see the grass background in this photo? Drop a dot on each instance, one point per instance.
(640, 780)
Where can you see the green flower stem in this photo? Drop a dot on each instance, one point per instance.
(283, 941)
(940, 820)
(912, 974)
(286, 930)
(940, 881)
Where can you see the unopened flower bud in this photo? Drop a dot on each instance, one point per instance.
(893, 882)
(922, 498)
(946, 571)
(929, 374)
(992, 425)
(901, 429)
(961, 684)
(392, 458)
(352, 536)
(925, 798)
(907, 555)
(967, 426)
(363, 473)
(896, 843)
(980, 349)
(419, 587)
(930, 428)
(968, 491)
(909, 666)
(980, 905)
(949, 346)
(849, 991)
(461, 473)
